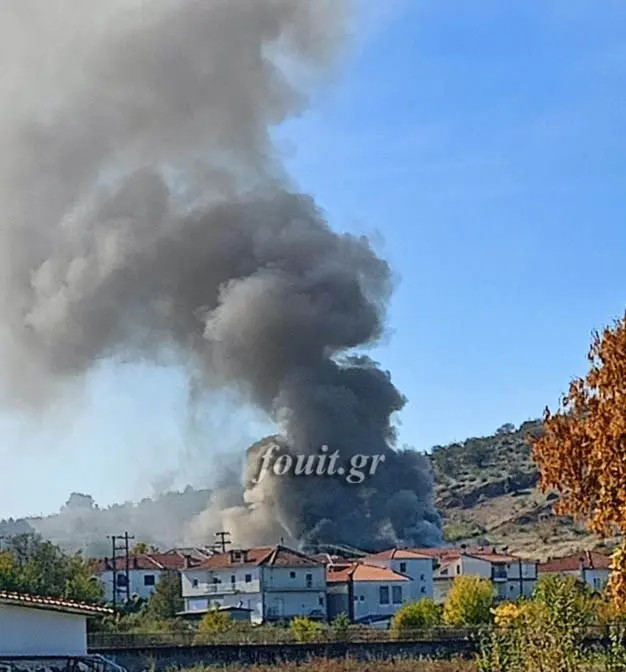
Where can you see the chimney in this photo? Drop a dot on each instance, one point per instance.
(135, 562)
(187, 561)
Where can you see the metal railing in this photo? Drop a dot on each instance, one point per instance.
(227, 587)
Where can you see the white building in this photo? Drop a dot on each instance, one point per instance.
(273, 582)
(44, 626)
(145, 570)
(417, 566)
(366, 593)
(590, 567)
(512, 577)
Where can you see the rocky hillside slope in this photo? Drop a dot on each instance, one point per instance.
(487, 494)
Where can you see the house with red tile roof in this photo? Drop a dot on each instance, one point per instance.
(366, 593)
(273, 582)
(511, 576)
(43, 626)
(590, 567)
(145, 570)
(419, 567)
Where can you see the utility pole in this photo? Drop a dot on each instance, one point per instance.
(223, 542)
(125, 550)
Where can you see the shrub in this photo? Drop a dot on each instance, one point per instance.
(415, 615)
(340, 626)
(305, 630)
(469, 601)
(215, 622)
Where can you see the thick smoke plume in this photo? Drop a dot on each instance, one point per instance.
(145, 214)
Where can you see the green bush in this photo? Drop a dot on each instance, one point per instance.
(305, 630)
(416, 615)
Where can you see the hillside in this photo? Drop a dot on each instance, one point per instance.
(487, 493)
(485, 490)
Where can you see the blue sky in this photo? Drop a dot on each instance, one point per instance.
(482, 146)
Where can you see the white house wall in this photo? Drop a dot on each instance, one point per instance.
(287, 604)
(137, 583)
(475, 567)
(293, 578)
(366, 595)
(37, 632)
(420, 570)
(200, 583)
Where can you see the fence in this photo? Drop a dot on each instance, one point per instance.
(270, 635)
(250, 635)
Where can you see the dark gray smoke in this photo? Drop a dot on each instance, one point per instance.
(146, 215)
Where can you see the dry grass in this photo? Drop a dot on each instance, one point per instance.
(351, 665)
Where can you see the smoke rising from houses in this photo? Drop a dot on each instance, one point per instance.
(146, 215)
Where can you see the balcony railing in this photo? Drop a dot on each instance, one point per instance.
(228, 588)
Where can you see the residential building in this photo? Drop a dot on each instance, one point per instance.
(590, 567)
(145, 570)
(417, 566)
(273, 582)
(43, 626)
(366, 593)
(511, 576)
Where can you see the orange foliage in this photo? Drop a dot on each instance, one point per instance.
(582, 453)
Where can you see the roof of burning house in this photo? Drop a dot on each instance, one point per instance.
(574, 562)
(399, 554)
(447, 553)
(360, 571)
(275, 556)
(52, 604)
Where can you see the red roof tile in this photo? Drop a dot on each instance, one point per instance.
(52, 604)
(360, 571)
(572, 563)
(398, 554)
(147, 562)
(274, 556)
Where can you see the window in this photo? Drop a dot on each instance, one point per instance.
(403, 567)
(423, 590)
(362, 598)
(422, 577)
(216, 580)
(384, 594)
(396, 594)
(248, 578)
(232, 578)
(194, 583)
(148, 580)
(121, 580)
(321, 601)
(458, 569)
(309, 580)
(292, 575)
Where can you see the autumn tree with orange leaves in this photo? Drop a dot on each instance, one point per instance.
(582, 452)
